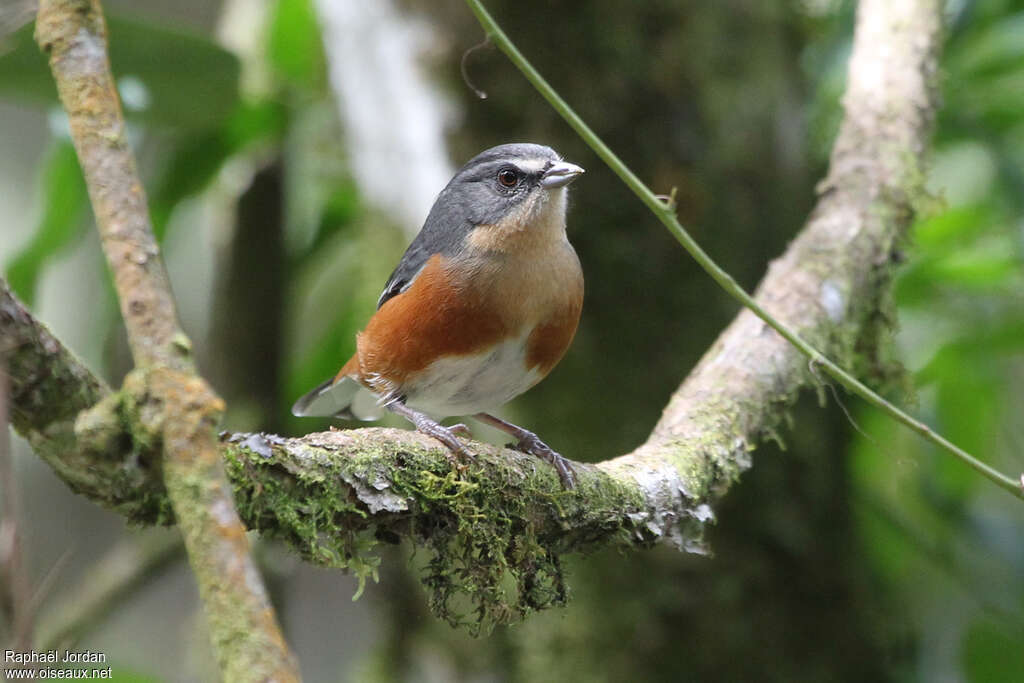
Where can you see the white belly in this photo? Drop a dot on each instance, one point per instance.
(463, 385)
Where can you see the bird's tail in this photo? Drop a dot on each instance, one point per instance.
(345, 398)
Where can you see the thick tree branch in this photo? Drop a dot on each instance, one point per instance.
(334, 495)
(176, 406)
(831, 285)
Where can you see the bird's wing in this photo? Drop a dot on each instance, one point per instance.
(405, 272)
(443, 233)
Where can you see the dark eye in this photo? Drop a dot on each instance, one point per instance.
(508, 177)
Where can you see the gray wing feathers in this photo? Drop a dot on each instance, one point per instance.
(443, 233)
(346, 399)
(403, 276)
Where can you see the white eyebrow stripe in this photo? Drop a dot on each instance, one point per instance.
(531, 165)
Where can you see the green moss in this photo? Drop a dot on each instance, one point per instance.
(494, 552)
(107, 455)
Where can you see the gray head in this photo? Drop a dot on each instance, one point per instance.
(508, 180)
(499, 197)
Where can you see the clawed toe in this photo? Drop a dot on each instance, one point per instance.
(534, 446)
(446, 435)
(457, 454)
(529, 443)
(460, 429)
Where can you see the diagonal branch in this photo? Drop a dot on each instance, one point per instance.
(334, 495)
(832, 284)
(887, 134)
(176, 407)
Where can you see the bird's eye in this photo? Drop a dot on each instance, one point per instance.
(508, 177)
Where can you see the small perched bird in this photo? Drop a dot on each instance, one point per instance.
(481, 307)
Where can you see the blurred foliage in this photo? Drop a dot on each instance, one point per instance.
(167, 71)
(64, 202)
(858, 552)
(944, 541)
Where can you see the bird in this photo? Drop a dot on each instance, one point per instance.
(483, 304)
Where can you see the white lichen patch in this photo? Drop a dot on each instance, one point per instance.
(832, 300)
(668, 515)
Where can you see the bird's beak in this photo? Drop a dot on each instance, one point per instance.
(560, 174)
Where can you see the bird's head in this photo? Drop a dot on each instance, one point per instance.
(512, 192)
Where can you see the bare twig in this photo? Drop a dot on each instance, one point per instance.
(180, 409)
(113, 578)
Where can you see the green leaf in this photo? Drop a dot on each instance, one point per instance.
(293, 46)
(64, 201)
(166, 76)
(192, 81)
(993, 652)
(993, 102)
(968, 413)
(200, 155)
(953, 226)
(990, 49)
(321, 195)
(254, 121)
(23, 69)
(986, 263)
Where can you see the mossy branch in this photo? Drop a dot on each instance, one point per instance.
(333, 496)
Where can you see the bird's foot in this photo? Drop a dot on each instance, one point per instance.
(531, 443)
(528, 442)
(446, 435)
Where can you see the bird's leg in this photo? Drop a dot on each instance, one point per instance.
(425, 424)
(528, 442)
